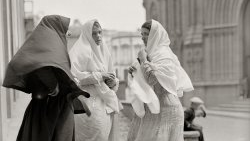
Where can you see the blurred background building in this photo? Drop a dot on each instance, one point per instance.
(15, 24)
(124, 49)
(211, 39)
(208, 38)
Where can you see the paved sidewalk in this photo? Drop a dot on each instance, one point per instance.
(14, 122)
(225, 128)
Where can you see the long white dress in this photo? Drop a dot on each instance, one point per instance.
(96, 127)
(165, 126)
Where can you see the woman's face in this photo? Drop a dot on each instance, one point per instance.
(145, 33)
(97, 34)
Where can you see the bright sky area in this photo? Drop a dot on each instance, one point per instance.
(121, 15)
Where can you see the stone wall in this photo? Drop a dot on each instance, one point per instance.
(209, 39)
(191, 136)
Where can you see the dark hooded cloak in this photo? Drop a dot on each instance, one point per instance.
(42, 67)
(46, 46)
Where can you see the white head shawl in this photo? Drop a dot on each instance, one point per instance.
(87, 56)
(167, 70)
(159, 51)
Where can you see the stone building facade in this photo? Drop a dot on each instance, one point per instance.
(211, 39)
(13, 25)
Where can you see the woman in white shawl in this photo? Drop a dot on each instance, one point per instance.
(92, 66)
(162, 119)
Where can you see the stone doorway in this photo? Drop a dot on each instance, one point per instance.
(246, 48)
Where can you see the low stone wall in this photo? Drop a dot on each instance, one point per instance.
(191, 136)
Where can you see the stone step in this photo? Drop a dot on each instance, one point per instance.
(241, 102)
(237, 106)
(231, 109)
(236, 109)
(241, 115)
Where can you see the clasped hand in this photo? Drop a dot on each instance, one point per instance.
(109, 79)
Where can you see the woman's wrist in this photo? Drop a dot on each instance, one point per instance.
(143, 60)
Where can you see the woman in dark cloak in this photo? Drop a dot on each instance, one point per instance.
(42, 67)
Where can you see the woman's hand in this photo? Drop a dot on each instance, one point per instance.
(142, 55)
(131, 69)
(109, 79)
(110, 82)
(107, 75)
